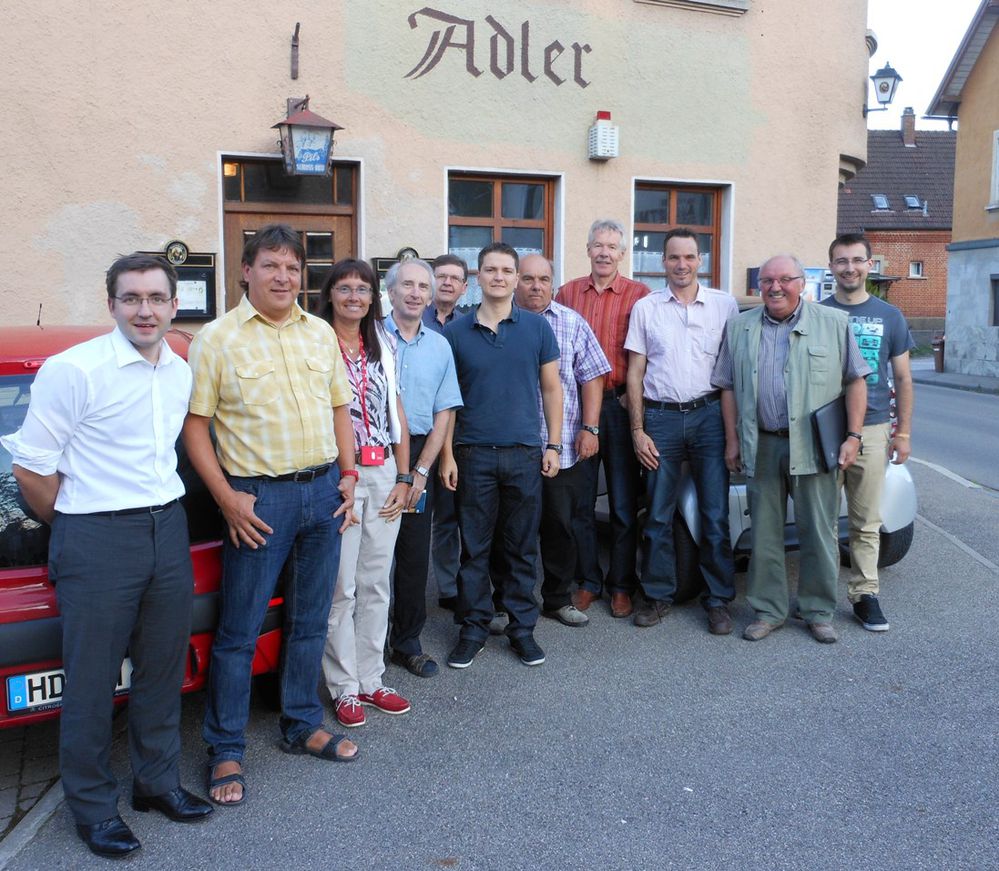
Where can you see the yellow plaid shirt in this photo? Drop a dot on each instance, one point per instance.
(270, 389)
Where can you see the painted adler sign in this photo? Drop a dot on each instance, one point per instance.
(508, 53)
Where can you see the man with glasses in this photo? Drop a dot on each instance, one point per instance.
(451, 282)
(884, 340)
(95, 459)
(430, 394)
(605, 299)
(778, 364)
(273, 380)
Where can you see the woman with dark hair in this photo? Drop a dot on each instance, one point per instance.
(353, 661)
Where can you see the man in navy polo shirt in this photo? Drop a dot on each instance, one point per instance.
(503, 355)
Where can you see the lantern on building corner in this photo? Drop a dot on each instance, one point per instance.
(306, 140)
(885, 84)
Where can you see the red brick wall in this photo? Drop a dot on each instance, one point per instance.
(916, 297)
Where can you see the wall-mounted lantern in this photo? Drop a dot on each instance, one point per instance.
(306, 140)
(885, 83)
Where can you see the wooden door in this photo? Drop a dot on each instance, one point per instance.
(327, 238)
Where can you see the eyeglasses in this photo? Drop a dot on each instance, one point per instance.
(767, 283)
(346, 290)
(131, 300)
(843, 262)
(443, 276)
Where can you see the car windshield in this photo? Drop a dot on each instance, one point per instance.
(23, 540)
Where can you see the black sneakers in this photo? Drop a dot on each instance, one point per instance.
(464, 652)
(528, 650)
(868, 612)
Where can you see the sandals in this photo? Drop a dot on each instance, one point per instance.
(214, 782)
(300, 747)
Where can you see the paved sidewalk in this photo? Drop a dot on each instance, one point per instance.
(923, 373)
(29, 765)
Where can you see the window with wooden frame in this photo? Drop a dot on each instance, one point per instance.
(662, 207)
(321, 209)
(482, 209)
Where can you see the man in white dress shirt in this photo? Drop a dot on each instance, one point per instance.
(673, 340)
(95, 459)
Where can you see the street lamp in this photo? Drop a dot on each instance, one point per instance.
(885, 82)
(306, 141)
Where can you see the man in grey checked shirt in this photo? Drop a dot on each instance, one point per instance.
(582, 365)
(777, 365)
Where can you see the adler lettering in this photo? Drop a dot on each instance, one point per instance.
(509, 51)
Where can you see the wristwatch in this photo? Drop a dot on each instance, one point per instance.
(553, 447)
(423, 470)
(404, 479)
(858, 436)
(593, 429)
(351, 473)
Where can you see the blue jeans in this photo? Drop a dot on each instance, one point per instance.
(699, 438)
(306, 535)
(623, 474)
(495, 483)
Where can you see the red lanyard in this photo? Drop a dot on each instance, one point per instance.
(362, 387)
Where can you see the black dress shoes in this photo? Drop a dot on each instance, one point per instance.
(111, 839)
(178, 804)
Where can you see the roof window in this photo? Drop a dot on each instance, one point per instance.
(912, 202)
(880, 201)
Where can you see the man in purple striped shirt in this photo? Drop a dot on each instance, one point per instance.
(673, 340)
(582, 365)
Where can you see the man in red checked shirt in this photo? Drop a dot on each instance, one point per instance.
(605, 299)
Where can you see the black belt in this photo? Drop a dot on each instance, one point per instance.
(780, 433)
(148, 509)
(303, 476)
(700, 402)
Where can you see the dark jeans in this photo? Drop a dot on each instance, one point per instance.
(412, 561)
(699, 438)
(121, 582)
(305, 532)
(495, 483)
(624, 482)
(562, 497)
(446, 542)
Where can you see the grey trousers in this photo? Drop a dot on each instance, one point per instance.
(816, 506)
(124, 584)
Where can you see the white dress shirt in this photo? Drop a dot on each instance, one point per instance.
(680, 341)
(106, 420)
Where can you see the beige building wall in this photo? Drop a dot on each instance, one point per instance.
(121, 112)
(975, 156)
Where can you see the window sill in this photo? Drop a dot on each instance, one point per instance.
(992, 207)
(721, 7)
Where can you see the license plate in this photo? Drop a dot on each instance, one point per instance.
(42, 690)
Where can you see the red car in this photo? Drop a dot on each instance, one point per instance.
(31, 676)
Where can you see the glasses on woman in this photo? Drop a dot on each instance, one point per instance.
(347, 290)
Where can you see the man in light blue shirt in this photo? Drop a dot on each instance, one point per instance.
(430, 393)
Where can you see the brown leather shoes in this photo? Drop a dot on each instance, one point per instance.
(823, 633)
(621, 605)
(719, 620)
(582, 599)
(759, 629)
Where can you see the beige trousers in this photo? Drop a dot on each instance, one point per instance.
(353, 661)
(864, 481)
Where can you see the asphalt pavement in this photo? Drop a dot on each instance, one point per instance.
(641, 748)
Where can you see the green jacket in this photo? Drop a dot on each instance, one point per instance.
(813, 377)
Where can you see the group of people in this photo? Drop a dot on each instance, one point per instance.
(368, 450)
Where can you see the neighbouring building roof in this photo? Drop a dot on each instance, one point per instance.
(947, 100)
(903, 187)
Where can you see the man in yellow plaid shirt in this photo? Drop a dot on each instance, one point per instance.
(272, 379)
